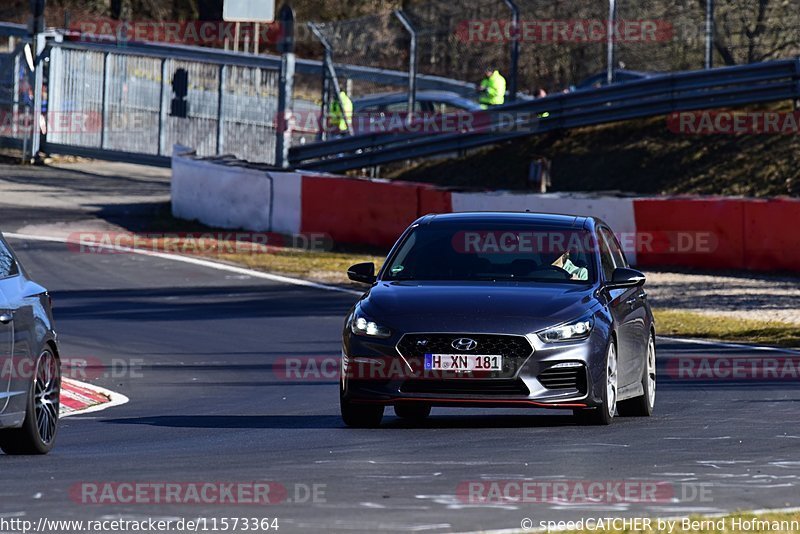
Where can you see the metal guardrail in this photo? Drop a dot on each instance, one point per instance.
(658, 95)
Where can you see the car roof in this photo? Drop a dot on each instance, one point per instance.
(552, 220)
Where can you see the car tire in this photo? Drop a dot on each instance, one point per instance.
(604, 414)
(360, 415)
(412, 412)
(38, 432)
(643, 405)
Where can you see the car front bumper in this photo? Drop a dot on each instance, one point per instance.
(559, 375)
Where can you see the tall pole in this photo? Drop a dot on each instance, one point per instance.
(612, 23)
(515, 38)
(709, 34)
(39, 44)
(285, 88)
(412, 63)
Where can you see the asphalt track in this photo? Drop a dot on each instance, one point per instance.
(207, 404)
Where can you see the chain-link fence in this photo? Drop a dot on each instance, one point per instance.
(562, 43)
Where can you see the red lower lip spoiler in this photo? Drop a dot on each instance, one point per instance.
(472, 401)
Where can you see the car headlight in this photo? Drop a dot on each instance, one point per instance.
(573, 331)
(361, 326)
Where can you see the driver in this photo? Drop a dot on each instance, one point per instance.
(577, 273)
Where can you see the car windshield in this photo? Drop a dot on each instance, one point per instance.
(494, 252)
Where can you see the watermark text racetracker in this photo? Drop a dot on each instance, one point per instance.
(562, 491)
(741, 367)
(81, 368)
(197, 243)
(208, 493)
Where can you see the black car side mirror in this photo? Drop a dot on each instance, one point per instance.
(362, 272)
(623, 277)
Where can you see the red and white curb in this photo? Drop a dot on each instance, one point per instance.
(78, 398)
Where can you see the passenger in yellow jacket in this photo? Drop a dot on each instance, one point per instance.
(492, 89)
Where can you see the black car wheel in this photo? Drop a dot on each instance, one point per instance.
(414, 412)
(38, 432)
(642, 406)
(360, 415)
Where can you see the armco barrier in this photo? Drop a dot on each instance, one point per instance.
(689, 232)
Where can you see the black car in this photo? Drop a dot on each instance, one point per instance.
(30, 372)
(500, 309)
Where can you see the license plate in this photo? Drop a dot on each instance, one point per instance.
(463, 362)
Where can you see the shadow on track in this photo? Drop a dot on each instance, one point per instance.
(334, 421)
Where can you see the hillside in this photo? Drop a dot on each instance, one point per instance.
(637, 157)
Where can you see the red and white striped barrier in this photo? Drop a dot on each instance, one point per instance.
(693, 232)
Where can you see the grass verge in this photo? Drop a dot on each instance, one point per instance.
(708, 326)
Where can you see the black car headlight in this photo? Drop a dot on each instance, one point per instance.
(362, 326)
(572, 331)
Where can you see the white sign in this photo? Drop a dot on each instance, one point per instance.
(249, 11)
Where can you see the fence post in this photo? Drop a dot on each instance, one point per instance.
(612, 22)
(162, 109)
(709, 34)
(412, 62)
(515, 37)
(104, 101)
(283, 130)
(223, 70)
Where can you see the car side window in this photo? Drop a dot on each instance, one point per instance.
(615, 248)
(8, 266)
(606, 258)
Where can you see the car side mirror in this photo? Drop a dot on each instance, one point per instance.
(362, 272)
(623, 277)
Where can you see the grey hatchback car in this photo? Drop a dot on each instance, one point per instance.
(500, 309)
(30, 374)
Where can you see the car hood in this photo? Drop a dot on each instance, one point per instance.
(500, 307)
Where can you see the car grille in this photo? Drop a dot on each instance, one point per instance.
(466, 387)
(564, 378)
(515, 350)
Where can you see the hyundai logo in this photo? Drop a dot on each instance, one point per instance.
(464, 343)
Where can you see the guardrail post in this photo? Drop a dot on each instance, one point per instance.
(283, 130)
(515, 38)
(412, 62)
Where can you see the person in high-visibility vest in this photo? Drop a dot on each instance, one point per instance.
(337, 118)
(492, 89)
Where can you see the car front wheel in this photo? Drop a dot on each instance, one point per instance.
(360, 415)
(604, 414)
